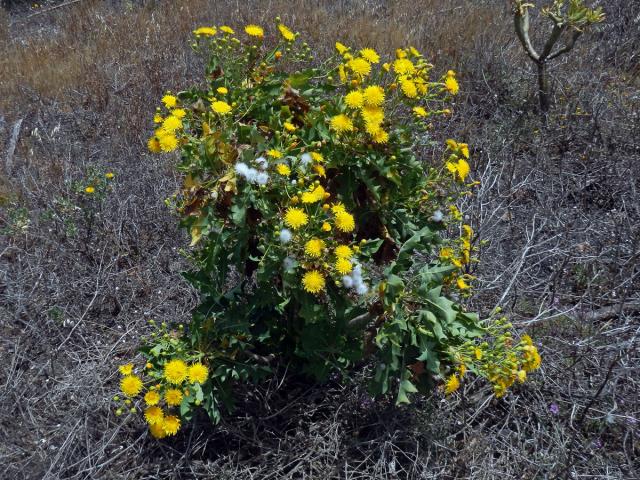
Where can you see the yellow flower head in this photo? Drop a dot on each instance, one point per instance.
(313, 281)
(154, 145)
(453, 384)
(403, 66)
(175, 371)
(109, 175)
(341, 48)
(295, 218)
(126, 369)
(380, 136)
(222, 90)
(168, 142)
(354, 99)
(157, 118)
(254, 31)
(341, 124)
(316, 195)
(373, 96)
(314, 247)
(288, 126)
(420, 111)
(317, 157)
(171, 425)
(153, 415)
(221, 107)
(273, 153)
(206, 31)
(451, 84)
(169, 101)
(287, 34)
(283, 169)
(359, 66)
(372, 115)
(343, 251)
(462, 285)
(319, 169)
(90, 189)
(409, 88)
(131, 385)
(157, 430)
(343, 266)
(179, 112)
(198, 373)
(370, 55)
(173, 397)
(151, 398)
(171, 123)
(227, 29)
(345, 222)
(326, 227)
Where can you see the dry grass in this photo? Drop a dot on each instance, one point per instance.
(557, 213)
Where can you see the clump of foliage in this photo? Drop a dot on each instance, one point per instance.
(323, 235)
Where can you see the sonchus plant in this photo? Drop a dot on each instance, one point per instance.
(323, 236)
(570, 20)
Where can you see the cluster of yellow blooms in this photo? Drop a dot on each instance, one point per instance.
(176, 382)
(501, 364)
(365, 102)
(165, 138)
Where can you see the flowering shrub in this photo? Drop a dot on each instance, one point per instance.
(320, 233)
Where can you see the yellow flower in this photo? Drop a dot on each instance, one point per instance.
(319, 169)
(222, 90)
(173, 397)
(175, 371)
(171, 424)
(283, 169)
(206, 31)
(342, 74)
(343, 266)
(131, 385)
(451, 84)
(254, 31)
(477, 352)
(337, 208)
(154, 145)
(455, 213)
(463, 169)
(372, 115)
(453, 384)
(464, 149)
(522, 376)
(198, 373)
(179, 112)
(171, 123)
(326, 227)
(313, 281)
(373, 96)
(345, 222)
(354, 99)
(126, 369)
(341, 123)
(169, 101)
(314, 247)
(341, 48)
(287, 34)
(226, 29)
(420, 111)
(157, 118)
(152, 397)
(316, 195)
(89, 189)
(290, 127)
(273, 153)
(153, 415)
(317, 157)
(157, 430)
(343, 251)
(409, 88)
(359, 66)
(168, 142)
(370, 55)
(380, 136)
(109, 175)
(403, 66)
(462, 285)
(295, 218)
(221, 107)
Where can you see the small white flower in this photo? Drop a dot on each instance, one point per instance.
(362, 289)
(262, 163)
(285, 235)
(251, 175)
(242, 169)
(347, 281)
(357, 270)
(306, 159)
(437, 216)
(288, 263)
(262, 178)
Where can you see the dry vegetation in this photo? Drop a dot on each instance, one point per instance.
(558, 217)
